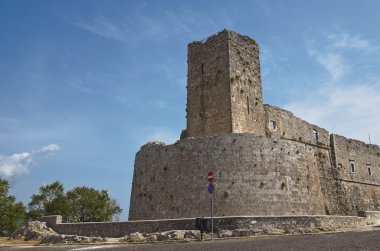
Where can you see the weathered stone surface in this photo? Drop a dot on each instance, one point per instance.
(224, 92)
(288, 126)
(192, 234)
(33, 230)
(361, 186)
(152, 237)
(272, 176)
(254, 225)
(225, 234)
(136, 237)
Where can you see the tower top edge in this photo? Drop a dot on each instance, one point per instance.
(227, 32)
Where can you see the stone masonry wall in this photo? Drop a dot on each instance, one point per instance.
(251, 225)
(360, 186)
(224, 92)
(254, 176)
(287, 126)
(246, 89)
(208, 87)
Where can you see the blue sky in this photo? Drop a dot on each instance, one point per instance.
(83, 84)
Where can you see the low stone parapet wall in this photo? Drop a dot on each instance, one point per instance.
(373, 215)
(256, 224)
(117, 229)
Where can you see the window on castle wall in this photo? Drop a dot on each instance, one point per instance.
(272, 125)
(352, 166)
(315, 134)
(369, 169)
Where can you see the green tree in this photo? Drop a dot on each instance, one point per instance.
(87, 204)
(50, 200)
(12, 213)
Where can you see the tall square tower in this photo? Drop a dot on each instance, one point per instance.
(224, 91)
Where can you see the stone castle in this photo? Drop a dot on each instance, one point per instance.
(266, 161)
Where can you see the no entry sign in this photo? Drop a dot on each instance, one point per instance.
(210, 177)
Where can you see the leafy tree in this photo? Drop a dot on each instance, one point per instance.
(79, 204)
(87, 204)
(12, 213)
(50, 200)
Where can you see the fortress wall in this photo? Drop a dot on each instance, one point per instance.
(254, 176)
(359, 186)
(208, 87)
(290, 127)
(335, 199)
(246, 89)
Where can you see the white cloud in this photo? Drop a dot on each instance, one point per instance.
(336, 50)
(347, 110)
(347, 41)
(331, 61)
(49, 148)
(20, 163)
(104, 27)
(347, 102)
(137, 26)
(334, 64)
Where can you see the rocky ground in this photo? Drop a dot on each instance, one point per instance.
(40, 233)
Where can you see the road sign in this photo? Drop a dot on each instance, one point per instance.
(211, 188)
(210, 176)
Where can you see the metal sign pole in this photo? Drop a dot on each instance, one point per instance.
(211, 190)
(212, 216)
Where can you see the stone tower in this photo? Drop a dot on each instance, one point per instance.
(224, 91)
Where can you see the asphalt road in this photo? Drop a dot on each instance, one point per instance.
(366, 240)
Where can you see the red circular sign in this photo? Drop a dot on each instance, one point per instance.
(210, 176)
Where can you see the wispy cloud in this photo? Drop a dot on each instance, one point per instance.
(104, 27)
(347, 41)
(331, 61)
(345, 110)
(138, 26)
(346, 102)
(336, 49)
(20, 163)
(334, 64)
